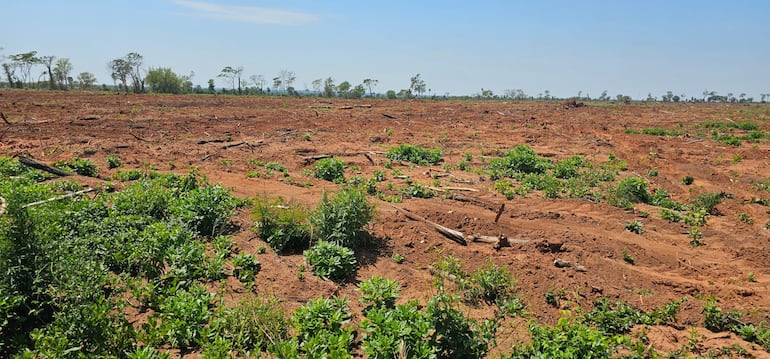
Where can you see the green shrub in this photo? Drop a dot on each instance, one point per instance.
(379, 292)
(414, 154)
(661, 198)
(403, 331)
(331, 261)
(341, 219)
(417, 190)
(322, 328)
(246, 267)
(113, 161)
(183, 317)
(522, 159)
(635, 226)
(688, 180)
(80, 166)
(671, 216)
(206, 209)
(569, 167)
(568, 339)
(252, 324)
(633, 190)
(707, 201)
(284, 228)
(717, 320)
(505, 187)
(330, 169)
(454, 335)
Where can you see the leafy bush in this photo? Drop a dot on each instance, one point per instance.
(284, 228)
(321, 325)
(414, 154)
(493, 285)
(671, 216)
(661, 198)
(454, 335)
(717, 320)
(331, 261)
(400, 332)
(113, 161)
(252, 324)
(632, 190)
(566, 340)
(707, 201)
(635, 226)
(341, 219)
(569, 167)
(246, 267)
(418, 190)
(80, 166)
(183, 317)
(206, 209)
(505, 187)
(522, 159)
(379, 292)
(330, 169)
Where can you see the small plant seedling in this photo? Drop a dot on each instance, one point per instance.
(688, 180)
(113, 161)
(628, 257)
(751, 277)
(306, 136)
(635, 227)
(695, 237)
(398, 258)
(261, 249)
(745, 218)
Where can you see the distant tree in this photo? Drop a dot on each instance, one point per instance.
(547, 95)
(668, 97)
(211, 87)
(10, 74)
(676, 98)
(61, 72)
(47, 61)
(343, 89)
(370, 84)
(486, 93)
(358, 91)
(317, 85)
(650, 97)
(277, 84)
(516, 94)
(233, 75)
(404, 94)
(763, 96)
(24, 62)
(329, 88)
(120, 72)
(604, 96)
(391, 94)
(287, 79)
(623, 98)
(86, 80)
(259, 82)
(417, 85)
(164, 80)
(134, 61)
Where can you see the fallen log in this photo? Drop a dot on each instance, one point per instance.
(389, 116)
(449, 233)
(218, 140)
(499, 212)
(4, 119)
(57, 198)
(451, 188)
(475, 201)
(42, 166)
(499, 241)
(230, 145)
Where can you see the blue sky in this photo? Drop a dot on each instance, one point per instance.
(632, 47)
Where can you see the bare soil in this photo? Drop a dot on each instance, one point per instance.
(173, 133)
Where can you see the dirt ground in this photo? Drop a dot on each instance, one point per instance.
(173, 133)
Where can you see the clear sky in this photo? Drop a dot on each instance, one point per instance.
(632, 47)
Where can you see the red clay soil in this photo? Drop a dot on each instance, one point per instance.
(171, 133)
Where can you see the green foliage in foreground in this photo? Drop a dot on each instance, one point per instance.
(414, 154)
(71, 266)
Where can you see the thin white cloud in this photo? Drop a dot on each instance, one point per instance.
(253, 14)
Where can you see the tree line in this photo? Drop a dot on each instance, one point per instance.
(129, 74)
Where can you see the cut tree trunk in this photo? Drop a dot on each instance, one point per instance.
(449, 233)
(42, 166)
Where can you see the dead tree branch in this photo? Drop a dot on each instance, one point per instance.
(42, 166)
(57, 198)
(449, 233)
